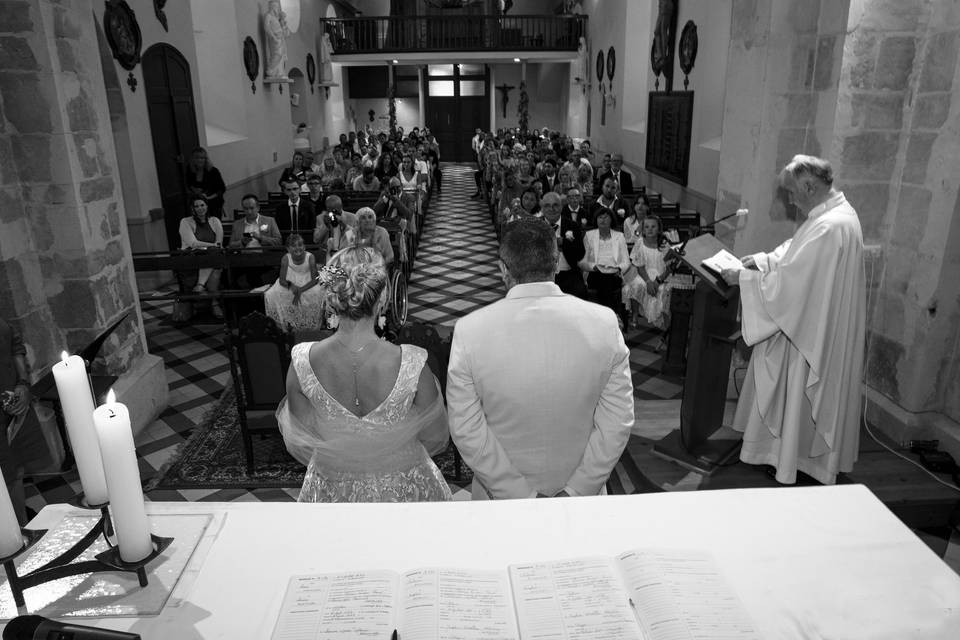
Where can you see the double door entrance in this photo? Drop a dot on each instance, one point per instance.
(457, 102)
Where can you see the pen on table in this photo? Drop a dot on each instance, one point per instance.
(636, 614)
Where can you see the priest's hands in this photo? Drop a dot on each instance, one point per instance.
(749, 262)
(731, 276)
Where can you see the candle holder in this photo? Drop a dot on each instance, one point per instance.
(62, 566)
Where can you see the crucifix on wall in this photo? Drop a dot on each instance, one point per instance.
(504, 90)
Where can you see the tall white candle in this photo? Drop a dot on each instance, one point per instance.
(11, 539)
(112, 422)
(73, 387)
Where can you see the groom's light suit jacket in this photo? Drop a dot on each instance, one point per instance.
(539, 394)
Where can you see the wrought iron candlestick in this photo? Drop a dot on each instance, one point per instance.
(61, 566)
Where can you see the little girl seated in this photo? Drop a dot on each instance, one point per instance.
(294, 300)
(647, 293)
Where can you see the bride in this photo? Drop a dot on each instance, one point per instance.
(363, 414)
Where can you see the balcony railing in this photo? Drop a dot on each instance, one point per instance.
(398, 34)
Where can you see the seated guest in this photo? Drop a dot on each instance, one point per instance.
(390, 206)
(367, 180)
(335, 227)
(530, 201)
(570, 245)
(605, 166)
(198, 231)
(574, 210)
(647, 292)
(525, 176)
(314, 192)
(204, 180)
(294, 300)
(550, 178)
(584, 181)
(365, 431)
(372, 157)
(313, 166)
(371, 235)
(297, 171)
(623, 177)
(605, 261)
(330, 174)
(297, 214)
(355, 170)
(410, 179)
(386, 169)
(610, 200)
(253, 231)
(632, 231)
(509, 191)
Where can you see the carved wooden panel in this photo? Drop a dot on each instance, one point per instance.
(670, 119)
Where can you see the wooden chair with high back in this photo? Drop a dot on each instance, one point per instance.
(259, 359)
(438, 357)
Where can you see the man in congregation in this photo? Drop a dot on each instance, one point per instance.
(569, 244)
(539, 391)
(298, 214)
(804, 312)
(253, 231)
(335, 228)
(621, 176)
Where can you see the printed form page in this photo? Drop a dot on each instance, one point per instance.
(339, 605)
(681, 595)
(579, 599)
(455, 604)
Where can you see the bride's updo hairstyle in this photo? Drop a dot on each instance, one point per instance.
(355, 280)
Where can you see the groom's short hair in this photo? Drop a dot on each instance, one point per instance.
(529, 250)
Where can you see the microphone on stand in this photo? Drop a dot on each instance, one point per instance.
(735, 214)
(40, 628)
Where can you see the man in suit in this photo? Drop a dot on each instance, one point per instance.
(252, 231)
(335, 228)
(617, 172)
(389, 205)
(550, 178)
(297, 215)
(574, 209)
(539, 394)
(609, 200)
(570, 244)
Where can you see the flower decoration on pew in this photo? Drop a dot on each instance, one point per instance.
(331, 275)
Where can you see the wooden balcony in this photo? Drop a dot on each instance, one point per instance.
(398, 34)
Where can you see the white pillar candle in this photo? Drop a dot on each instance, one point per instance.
(11, 539)
(76, 399)
(112, 422)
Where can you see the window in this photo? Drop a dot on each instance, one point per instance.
(442, 88)
(472, 88)
(440, 70)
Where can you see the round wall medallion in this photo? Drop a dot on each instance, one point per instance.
(600, 66)
(611, 62)
(251, 61)
(123, 33)
(688, 46)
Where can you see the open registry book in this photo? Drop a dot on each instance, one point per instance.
(721, 260)
(638, 595)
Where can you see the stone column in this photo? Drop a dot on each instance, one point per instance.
(66, 270)
(896, 149)
(782, 75)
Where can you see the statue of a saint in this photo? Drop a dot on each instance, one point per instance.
(582, 71)
(276, 30)
(326, 63)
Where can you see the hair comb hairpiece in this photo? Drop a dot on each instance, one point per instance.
(331, 275)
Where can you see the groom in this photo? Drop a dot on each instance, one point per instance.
(539, 394)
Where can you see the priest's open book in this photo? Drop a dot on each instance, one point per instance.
(721, 260)
(638, 595)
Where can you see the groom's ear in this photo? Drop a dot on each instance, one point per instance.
(504, 272)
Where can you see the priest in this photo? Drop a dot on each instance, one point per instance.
(804, 313)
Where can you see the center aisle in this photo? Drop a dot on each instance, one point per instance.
(456, 267)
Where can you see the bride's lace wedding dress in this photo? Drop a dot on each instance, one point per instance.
(381, 456)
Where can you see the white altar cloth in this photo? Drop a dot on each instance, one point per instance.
(807, 562)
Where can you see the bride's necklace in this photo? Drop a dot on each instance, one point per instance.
(355, 362)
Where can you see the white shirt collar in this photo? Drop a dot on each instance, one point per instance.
(833, 201)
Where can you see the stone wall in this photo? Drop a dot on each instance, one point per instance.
(895, 151)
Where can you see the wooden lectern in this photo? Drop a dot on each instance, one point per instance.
(713, 334)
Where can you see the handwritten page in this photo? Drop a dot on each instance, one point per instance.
(334, 606)
(721, 260)
(579, 599)
(681, 595)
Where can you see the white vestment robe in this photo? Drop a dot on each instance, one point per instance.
(804, 313)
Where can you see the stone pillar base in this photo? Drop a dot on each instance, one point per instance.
(902, 426)
(143, 388)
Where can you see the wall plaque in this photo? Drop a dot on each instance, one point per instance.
(669, 123)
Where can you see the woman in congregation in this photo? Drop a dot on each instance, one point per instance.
(386, 169)
(584, 181)
(294, 300)
(204, 180)
(296, 171)
(331, 174)
(363, 414)
(632, 224)
(410, 178)
(369, 234)
(201, 231)
(606, 261)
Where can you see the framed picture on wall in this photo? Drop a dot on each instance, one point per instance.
(669, 123)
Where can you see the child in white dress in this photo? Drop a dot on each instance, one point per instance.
(294, 300)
